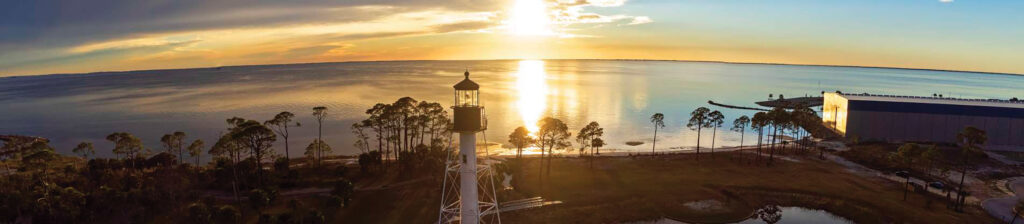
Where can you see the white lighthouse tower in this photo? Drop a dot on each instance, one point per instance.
(461, 198)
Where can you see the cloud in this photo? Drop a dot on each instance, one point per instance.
(640, 20)
(946, 1)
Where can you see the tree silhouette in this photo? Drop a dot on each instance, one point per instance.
(740, 125)
(778, 118)
(597, 143)
(85, 149)
(971, 139)
(553, 134)
(173, 144)
(698, 121)
(317, 147)
(196, 149)
(715, 120)
(588, 133)
(758, 122)
(658, 120)
(280, 126)
(520, 138)
(770, 214)
(127, 144)
(319, 113)
(258, 138)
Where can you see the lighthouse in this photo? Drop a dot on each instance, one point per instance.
(467, 122)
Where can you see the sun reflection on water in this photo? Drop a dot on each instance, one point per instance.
(532, 87)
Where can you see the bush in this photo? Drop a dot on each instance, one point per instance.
(315, 217)
(227, 214)
(343, 189)
(199, 213)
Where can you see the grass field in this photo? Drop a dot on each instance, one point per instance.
(619, 189)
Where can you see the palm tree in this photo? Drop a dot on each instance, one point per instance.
(319, 112)
(972, 138)
(659, 121)
(715, 120)
(280, 125)
(520, 138)
(195, 149)
(740, 125)
(698, 121)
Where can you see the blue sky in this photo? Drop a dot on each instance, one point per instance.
(69, 36)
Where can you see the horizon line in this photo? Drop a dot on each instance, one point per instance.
(511, 59)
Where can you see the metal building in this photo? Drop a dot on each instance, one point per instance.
(924, 119)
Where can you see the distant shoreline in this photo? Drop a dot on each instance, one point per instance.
(640, 60)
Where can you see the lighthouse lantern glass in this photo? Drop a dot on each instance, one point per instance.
(467, 98)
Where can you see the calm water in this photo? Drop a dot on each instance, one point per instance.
(621, 95)
(798, 215)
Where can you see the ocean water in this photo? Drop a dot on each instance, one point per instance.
(620, 95)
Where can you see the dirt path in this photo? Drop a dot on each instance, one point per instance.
(1001, 208)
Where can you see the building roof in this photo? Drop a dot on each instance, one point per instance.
(934, 100)
(467, 84)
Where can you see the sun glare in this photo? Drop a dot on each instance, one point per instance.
(529, 17)
(531, 84)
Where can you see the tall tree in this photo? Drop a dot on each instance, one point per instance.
(587, 133)
(740, 125)
(127, 144)
(196, 149)
(698, 121)
(658, 120)
(85, 149)
(971, 139)
(173, 144)
(597, 143)
(315, 148)
(280, 125)
(554, 134)
(715, 120)
(362, 140)
(319, 112)
(778, 118)
(758, 122)
(520, 138)
(258, 138)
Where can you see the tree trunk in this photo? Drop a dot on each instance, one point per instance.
(655, 143)
(714, 134)
(698, 141)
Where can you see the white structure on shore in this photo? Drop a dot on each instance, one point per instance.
(460, 197)
(924, 119)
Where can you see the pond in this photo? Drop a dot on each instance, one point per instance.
(777, 215)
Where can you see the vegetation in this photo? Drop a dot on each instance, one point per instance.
(715, 120)
(625, 189)
(520, 138)
(658, 120)
(971, 138)
(698, 121)
(740, 125)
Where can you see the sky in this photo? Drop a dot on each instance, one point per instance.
(74, 36)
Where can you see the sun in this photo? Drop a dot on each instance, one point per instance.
(530, 18)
